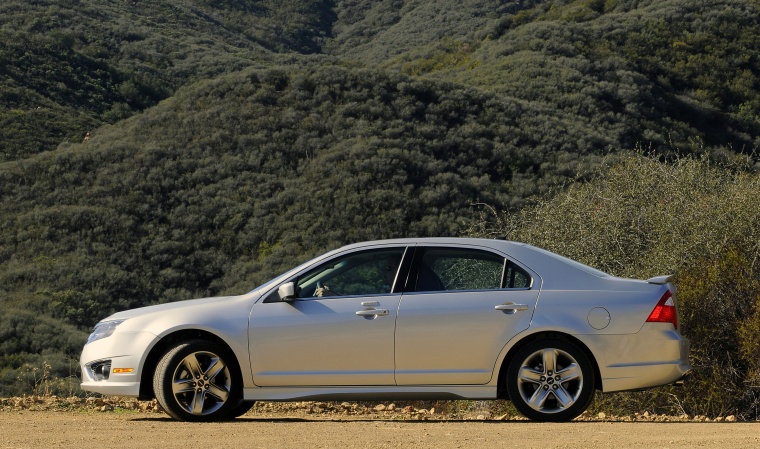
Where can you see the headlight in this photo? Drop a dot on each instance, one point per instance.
(103, 329)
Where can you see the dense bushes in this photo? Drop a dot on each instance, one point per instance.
(247, 136)
(183, 196)
(235, 180)
(611, 74)
(37, 352)
(620, 73)
(699, 221)
(67, 67)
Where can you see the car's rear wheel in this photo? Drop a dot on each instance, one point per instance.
(196, 381)
(550, 380)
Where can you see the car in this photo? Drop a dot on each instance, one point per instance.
(403, 319)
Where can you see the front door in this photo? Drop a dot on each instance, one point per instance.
(339, 331)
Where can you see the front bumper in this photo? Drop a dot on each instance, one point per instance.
(124, 351)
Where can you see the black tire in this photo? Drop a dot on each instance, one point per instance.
(197, 380)
(239, 410)
(550, 380)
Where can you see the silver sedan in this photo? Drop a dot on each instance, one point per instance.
(438, 318)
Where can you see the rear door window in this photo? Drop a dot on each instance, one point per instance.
(460, 269)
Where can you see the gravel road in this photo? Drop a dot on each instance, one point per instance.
(83, 429)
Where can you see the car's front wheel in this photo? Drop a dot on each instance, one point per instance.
(196, 381)
(239, 410)
(550, 380)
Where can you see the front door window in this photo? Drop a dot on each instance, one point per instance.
(359, 274)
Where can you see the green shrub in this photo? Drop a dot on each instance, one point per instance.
(700, 221)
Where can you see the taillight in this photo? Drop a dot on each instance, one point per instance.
(665, 311)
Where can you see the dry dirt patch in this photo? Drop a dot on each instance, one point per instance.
(114, 422)
(36, 429)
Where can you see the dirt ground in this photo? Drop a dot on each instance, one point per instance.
(83, 428)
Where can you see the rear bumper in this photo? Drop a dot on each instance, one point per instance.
(657, 355)
(638, 377)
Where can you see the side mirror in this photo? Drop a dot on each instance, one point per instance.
(287, 291)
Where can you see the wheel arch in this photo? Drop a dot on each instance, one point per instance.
(501, 389)
(169, 341)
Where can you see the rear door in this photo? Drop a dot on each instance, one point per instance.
(463, 305)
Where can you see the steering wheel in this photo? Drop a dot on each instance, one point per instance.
(327, 290)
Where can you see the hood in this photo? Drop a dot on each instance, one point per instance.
(132, 313)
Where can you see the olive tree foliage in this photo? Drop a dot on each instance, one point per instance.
(692, 218)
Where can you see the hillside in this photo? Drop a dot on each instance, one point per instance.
(234, 180)
(669, 74)
(664, 74)
(69, 66)
(232, 139)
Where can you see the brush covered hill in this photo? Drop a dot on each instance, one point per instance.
(618, 73)
(236, 179)
(233, 139)
(67, 66)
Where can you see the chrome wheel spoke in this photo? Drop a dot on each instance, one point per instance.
(564, 398)
(196, 407)
(549, 357)
(538, 399)
(215, 368)
(572, 372)
(219, 393)
(528, 374)
(181, 386)
(193, 366)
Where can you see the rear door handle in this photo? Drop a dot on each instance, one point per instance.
(511, 307)
(372, 312)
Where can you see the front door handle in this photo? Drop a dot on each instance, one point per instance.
(511, 308)
(372, 312)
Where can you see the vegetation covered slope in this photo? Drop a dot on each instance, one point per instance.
(245, 136)
(691, 218)
(232, 181)
(664, 73)
(67, 66)
(667, 74)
